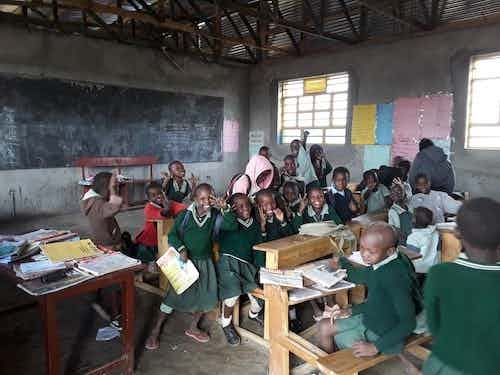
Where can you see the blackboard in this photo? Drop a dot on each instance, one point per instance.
(47, 123)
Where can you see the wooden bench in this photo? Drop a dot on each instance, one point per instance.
(343, 362)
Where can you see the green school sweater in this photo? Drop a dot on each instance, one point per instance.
(274, 231)
(309, 216)
(462, 303)
(393, 302)
(197, 238)
(175, 194)
(239, 238)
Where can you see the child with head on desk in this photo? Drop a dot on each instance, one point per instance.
(375, 195)
(176, 186)
(157, 208)
(461, 298)
(340, 197)
(289, 173)
(235, 269)
(424, 239)
(385, 320)
(439, 202)
(192, 237)
(399, 215)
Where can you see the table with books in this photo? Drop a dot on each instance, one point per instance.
(67, 267)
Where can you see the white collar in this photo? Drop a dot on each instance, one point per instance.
(484, 267)
(294, 203)
(246, 223)
(182, 188)
(390, 258)
(196, 219)
(312, 213)
(399, 210)
(91, 193)
(335, 191)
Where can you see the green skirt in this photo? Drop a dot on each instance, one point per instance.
(199, 297)
(235, 277)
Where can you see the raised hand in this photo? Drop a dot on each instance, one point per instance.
(193, 180)
(304, 201)
(279, 215)
(219, 203)
(113, 183)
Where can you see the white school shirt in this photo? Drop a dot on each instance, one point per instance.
(438, 202)
(393, 215)
(425, 241)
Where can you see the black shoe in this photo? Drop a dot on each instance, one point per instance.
(232, 336)
(295, 325)
(259, 318)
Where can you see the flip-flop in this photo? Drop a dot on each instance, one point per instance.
(152, 347)
(200, 337)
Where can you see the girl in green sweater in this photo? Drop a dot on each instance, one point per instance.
(192, 237)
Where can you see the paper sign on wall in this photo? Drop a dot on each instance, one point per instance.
(406, 130)
(435, 114)
(363, 124)
(375, 156)
(383, 129)
(231, 135)
(255, 142)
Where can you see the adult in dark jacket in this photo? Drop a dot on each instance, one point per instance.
(432, 161)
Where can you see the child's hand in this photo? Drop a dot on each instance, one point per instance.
(183, 255)
(113, 184)
(303, 204)
(364, 349)
(219, 203)
(335, 262)
(193, 181)
(279, 214)
(353, 206)
(262, 218)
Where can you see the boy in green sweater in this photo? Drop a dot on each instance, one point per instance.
(316, 211)
(462, 298)
(235, 270)
(385, 320)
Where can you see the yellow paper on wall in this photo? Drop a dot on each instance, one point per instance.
(63, 251)
(363, 124)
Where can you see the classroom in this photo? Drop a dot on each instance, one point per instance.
(265, 187)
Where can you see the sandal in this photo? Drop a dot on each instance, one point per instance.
(153, 346)
(200, 336)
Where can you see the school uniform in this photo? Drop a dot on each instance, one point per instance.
(424, 241)
(195, 236)
(147, 239)
(322, 172)
(340, 199)
(274, 231)
(463, 310)
(294, 206)
(388, 316)
(401, 218)
(376, 200)
(177, 192)
(285, 177)
(438, 202)
(235, 269)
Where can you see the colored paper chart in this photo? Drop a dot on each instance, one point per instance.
(383, 130)
(375, 156)
(436, 114)
(363, 124)
(406, 128)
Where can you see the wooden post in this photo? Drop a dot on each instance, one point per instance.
(49, 321)
(128, 321)
(279, 356)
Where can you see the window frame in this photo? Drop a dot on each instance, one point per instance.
(280, 108)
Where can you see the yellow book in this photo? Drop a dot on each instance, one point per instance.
(181, 275)
(64, 251)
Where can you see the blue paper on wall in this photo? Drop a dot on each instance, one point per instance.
(383, 130)
(375, 156)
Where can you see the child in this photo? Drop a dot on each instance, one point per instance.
(317, 210)
(175, 185)
(158, 207)
(375, 195)
(461, 298)
(405, 166)
(289, 173)
(305, 168)
(385, 320)
(192, 237)
(399, 215)
(424, 239)
(291, 195)
(322, 167)
(266, 152)
(260, 172)
(438, 202)
(340, 197)
(100, 204)
(235, 268)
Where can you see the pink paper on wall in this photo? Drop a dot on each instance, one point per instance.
(231, 133)
(406, 129)
(436, 112)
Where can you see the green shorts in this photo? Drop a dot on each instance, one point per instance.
(351, 330)
(434, 366)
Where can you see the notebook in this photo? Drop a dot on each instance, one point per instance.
(107, 263)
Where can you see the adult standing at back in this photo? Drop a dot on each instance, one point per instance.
(433, 162)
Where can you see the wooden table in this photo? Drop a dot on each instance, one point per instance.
(451, 246)
(48, 303)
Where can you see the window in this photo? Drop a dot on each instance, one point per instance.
(316, 104)
(483, 114)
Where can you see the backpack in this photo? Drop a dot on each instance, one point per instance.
(216, 230)
(235, 178)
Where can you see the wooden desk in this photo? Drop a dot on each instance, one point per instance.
(451, 246)
(359, 223)
(48, 303)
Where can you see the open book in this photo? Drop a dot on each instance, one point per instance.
(290, 278)
(325, 276)
(181, 275)
(107, 263)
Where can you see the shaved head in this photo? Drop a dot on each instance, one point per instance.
(378, 241)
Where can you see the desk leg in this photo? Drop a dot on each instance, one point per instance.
(279, 356)
(49, 321)
(128, 312)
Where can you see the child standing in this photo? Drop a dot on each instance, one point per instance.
(266, 152)
(322, 167)
(374, 327)
(158, 207)
(424, 239)
(439, 202)
(235, 269)
(461, 297)
(175, 185)
(340, 197)
(191, 236)
(305, 168)
(399, 215)
(289, 173)
(375, 195)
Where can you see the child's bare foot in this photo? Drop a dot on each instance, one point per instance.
(198, 335)
(153, 342)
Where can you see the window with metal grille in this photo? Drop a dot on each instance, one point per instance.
(316, 104)
(483, 112)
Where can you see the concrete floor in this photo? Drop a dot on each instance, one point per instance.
(22, 343)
